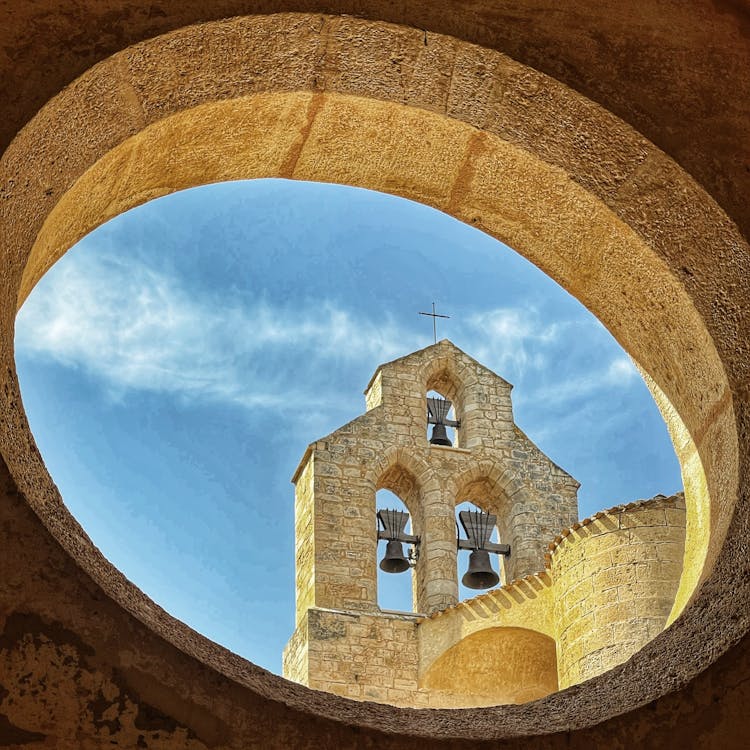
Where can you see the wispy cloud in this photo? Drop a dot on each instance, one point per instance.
(529, 350)
(137, 329)
(512, 340)
(618, 373)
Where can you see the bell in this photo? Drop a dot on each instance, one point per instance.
(440, 436)
(480, 574)
(394, 560)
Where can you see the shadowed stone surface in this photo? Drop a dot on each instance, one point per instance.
(677, 71)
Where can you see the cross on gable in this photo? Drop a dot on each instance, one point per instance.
(434, 316)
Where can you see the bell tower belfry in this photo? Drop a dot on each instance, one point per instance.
(491, 463)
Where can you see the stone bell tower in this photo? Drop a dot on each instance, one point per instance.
(491, 464)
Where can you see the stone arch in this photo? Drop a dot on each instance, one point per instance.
(405, 473)
(379, 474)
(484, 476)
(401, 482)
(649, 233)
(494, 666)
(451, 379)
(409, 476)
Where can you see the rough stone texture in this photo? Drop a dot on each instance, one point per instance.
(371, 657)
(615, 579)
(56, 687)
(673, 289)
(499, 470)
(669, 69)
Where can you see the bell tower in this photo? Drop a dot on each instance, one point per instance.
(473, 452)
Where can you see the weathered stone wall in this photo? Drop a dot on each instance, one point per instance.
(616, 576)
(357, 655)
(335, 553)
(375, 657)
(387, 447)
(607, 591)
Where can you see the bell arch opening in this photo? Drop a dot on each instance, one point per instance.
(443, 422)
(397, 583)
(482, 568)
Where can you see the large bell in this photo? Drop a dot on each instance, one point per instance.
(480, 574)
(440, 436)
(394, 560)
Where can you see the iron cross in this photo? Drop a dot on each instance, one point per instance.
(434, 316)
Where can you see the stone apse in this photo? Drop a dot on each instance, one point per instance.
(579, 597)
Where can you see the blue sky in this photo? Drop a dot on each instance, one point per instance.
(177, 361)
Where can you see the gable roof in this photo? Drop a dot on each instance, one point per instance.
(442, 346)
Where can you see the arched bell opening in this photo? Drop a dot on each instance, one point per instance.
(479, 566)
(485, 491)
(399, 571)
(396, 558)
(442, 421)
(444, 394)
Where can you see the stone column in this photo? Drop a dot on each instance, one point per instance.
(437, 584)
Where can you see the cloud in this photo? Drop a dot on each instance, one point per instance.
(512, 341)
(617, 374)
(556, 362)
(136, 329)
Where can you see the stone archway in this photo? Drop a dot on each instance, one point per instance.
(495, 666)
(128, 131)
(281, 119)
(399, 479)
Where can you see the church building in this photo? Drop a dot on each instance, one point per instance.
(578, 597)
